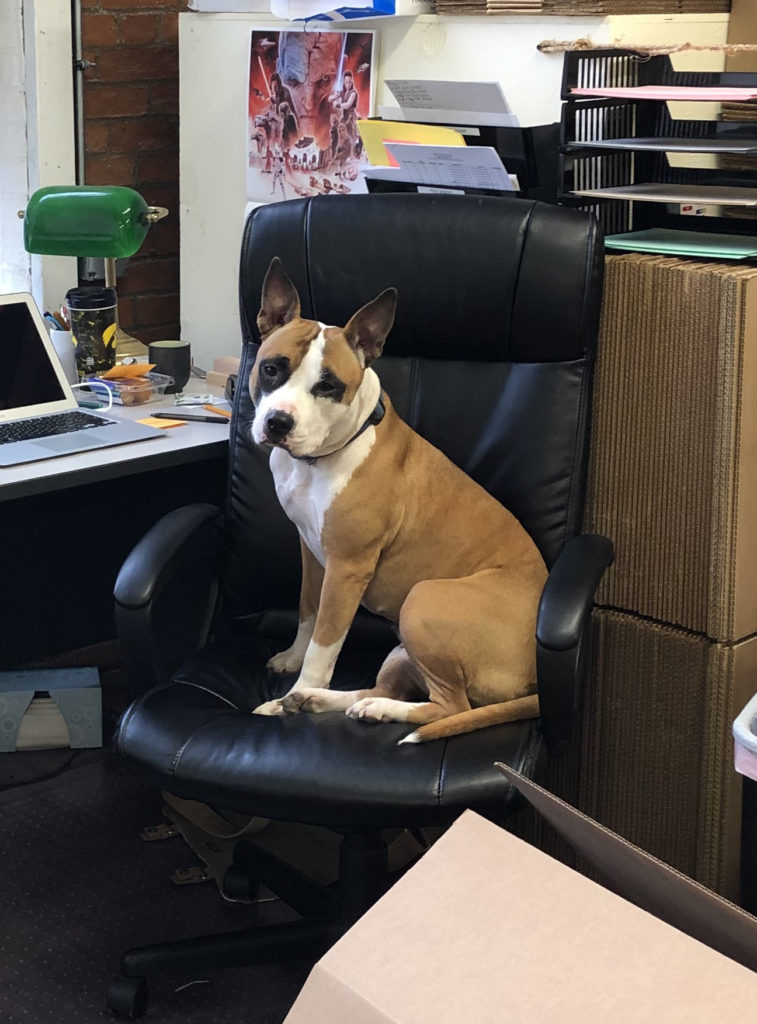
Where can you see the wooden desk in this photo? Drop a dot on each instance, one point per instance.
(68, 523)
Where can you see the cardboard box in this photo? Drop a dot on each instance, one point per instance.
(60, 707)
(742, 28)
(654, 758)
(486, 929)
(673, 469)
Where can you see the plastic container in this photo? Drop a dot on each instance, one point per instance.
(137, 390)
(92, 314)
(745, 740)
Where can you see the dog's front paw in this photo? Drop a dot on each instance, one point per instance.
(289, 660)
(294, 702)
(311, 699)
(271, 707)
(373, 709)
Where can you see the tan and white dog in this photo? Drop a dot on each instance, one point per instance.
(387, 521)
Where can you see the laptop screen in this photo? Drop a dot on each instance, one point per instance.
(27, 375)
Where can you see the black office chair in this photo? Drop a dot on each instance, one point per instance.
(491, 359)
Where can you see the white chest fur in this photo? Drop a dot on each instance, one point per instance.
(307, 490)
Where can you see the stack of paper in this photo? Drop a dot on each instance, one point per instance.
(466, 167)
(430, 155)
(376, 135)
(685, 243)
(721, 144)
(689, 93)
(714, 195)
(446, 102)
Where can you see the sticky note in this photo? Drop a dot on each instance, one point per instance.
(164, 424)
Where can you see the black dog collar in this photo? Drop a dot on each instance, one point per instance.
(375, 417)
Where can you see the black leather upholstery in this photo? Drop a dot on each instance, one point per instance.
(491, 359)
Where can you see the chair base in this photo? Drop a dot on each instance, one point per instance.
(325, 916)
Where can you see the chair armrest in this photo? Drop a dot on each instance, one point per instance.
(563, 616)
(166, 594)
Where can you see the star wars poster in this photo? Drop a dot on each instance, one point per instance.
(307, 91)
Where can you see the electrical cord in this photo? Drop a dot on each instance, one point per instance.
(93, 385)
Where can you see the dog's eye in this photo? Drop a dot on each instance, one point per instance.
(329, 386)
(272, 373)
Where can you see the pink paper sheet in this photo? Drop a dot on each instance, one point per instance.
(713, 93)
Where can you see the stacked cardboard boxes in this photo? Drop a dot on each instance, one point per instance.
(673, 482)
(583, 8)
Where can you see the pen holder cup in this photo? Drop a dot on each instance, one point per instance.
(64, 349)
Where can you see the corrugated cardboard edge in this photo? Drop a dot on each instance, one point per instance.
(745, 592)
(647, 882)
(672, 477)
(655, 744)
(742, 28)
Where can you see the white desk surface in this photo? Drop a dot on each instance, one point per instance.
(188, 443)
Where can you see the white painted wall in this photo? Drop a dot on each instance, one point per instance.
(50, 120)
(14, 261)
(37, 138)
(213, 52)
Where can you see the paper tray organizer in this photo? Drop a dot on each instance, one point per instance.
(611, 142)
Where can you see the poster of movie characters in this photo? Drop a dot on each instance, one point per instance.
(307, 91)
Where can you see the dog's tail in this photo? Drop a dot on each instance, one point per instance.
(477, 718)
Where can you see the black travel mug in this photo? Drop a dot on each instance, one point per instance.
(92, 313)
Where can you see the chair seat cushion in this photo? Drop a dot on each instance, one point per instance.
(196, 735)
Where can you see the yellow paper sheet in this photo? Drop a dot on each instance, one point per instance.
(164, 424)
(375, 133)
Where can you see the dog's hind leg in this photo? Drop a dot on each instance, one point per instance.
(399, 684)
(467, 638)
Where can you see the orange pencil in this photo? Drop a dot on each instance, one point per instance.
(219, 412)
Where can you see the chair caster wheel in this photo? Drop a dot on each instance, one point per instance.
(239, 886)
(128, 997)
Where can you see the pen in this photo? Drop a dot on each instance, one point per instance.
(187, 416)
(54, 323)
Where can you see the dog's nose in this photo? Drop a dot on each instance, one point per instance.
(278, 424)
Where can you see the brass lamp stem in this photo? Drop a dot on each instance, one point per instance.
(110, 272)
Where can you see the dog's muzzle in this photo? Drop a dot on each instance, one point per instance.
(277, 425)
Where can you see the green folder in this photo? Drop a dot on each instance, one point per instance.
(685, 243)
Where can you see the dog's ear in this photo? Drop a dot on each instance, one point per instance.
(279, 302)
(368, 328)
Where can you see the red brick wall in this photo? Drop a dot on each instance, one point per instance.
(131, 137)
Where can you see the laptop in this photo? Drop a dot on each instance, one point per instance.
(39, 416)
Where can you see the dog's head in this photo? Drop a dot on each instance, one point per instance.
(307, 375)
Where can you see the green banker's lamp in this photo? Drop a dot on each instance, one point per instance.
(100, 221)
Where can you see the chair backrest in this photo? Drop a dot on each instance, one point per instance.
(490, 357)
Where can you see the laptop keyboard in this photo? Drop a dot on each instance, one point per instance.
(49, 426)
